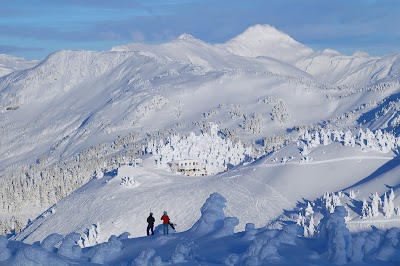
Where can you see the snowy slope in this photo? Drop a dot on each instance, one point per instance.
(10, 64)
(259, 192)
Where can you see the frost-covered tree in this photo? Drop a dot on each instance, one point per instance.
(300, 219)
(391, 203)
(375, 205)
(311, 227)
(280, 113)
(91, 235)
(253, 123)
(385, 208)
(352, 195)
(366, 210)
(309, 210)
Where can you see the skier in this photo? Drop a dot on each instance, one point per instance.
(166, 222)
(150, 226)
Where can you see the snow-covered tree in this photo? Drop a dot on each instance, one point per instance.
(309, 210)
(375, 205)
(365, 210)
(385, 208)
(311, 227)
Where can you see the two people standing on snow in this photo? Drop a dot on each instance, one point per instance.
(166, 223)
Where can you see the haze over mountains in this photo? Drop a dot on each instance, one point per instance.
(77, 112)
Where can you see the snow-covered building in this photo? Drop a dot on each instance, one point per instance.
(189, 167)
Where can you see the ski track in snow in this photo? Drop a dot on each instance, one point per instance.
(327, 161)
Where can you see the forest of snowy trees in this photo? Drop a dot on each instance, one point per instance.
(210, 148)
(310, 215)
(44, 183)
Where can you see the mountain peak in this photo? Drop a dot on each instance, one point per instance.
(262, 33)
(266, 40)
(188, 38)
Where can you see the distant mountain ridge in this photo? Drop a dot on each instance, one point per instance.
(10, 64)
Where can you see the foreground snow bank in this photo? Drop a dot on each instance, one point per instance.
(212, 240)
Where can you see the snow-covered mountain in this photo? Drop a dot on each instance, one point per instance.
(10, 64)
(78, 113)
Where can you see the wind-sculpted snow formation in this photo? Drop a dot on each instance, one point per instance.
(212, 241)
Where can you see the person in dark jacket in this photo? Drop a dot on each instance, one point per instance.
(166, 222)
(150, 226)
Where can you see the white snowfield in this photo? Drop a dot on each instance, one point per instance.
(306, 135)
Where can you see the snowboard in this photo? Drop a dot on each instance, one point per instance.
(172, 225)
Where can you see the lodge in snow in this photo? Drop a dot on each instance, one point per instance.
(189, 167)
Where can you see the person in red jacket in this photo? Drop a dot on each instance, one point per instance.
(165, 220)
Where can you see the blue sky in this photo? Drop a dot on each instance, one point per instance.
(35, 28)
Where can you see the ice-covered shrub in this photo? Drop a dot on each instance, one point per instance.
(91, 235)
(128, 181)
(280, 112)
(51, 240)
(253, 123)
